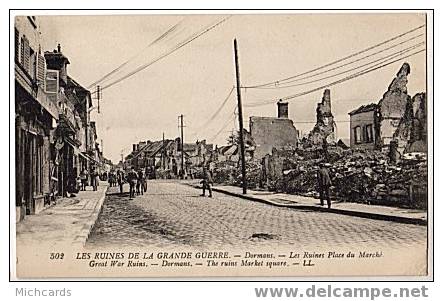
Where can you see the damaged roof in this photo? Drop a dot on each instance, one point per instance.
(364, 108)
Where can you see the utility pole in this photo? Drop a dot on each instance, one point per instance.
(182, 143)
(98, 98)
(163, 151)
(240, 119)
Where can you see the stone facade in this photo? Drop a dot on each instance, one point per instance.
(362, 127)
(272, 132)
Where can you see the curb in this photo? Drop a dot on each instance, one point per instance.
(369, 215)
(87, 228)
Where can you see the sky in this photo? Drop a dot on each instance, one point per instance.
(195, 79)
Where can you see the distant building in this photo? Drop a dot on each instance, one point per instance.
(362, 127)
(273, 132)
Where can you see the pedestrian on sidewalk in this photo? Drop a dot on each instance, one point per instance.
(132, 179)
(206, 182)
(94, 179)
(84, 179)
(324, 184)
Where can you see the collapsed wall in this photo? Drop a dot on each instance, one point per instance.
(411, 135)
(325, 127)
(392, 107)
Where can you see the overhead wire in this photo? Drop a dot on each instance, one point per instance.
(118, 68)
(380, 60)
(218, 109)
(169, 52)
(338, 67)
(339, 60)
(352, 76)
(231, 119)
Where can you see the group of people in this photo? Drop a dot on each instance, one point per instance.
(136, 180)
(85, 176)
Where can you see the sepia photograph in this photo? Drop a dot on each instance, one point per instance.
(211, 144)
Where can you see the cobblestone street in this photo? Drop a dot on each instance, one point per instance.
(171, 214)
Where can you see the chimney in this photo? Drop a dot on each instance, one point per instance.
(55, 60)
(282, 109)
(134, 147)
(327, 98)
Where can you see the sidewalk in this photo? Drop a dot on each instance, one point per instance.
(68, 222)
(401, 215)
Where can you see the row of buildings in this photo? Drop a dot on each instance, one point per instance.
(163, 159)
(397, 124)
(55, 137)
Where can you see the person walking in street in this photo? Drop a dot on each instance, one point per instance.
(145, 181)
(324, 184)
(84, 179)
(120, 180)
(207, 182)
(132, 179)
(140, 182)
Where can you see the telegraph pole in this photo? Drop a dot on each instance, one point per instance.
(163, 151)
(240, 119)
(182, 152)
(98, 98)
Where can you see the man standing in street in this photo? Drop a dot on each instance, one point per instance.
(120, 180)
(140, 182)
(132, 179)
(324, 184)
(207, 182)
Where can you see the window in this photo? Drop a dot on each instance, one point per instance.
(369, 136)
(357, 134)
(32, 64)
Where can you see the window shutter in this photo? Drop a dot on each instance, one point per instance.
(27, 54)
(22, 51)
(41, 66)
(51, 84)
(17, 48)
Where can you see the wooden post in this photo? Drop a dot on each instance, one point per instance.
(240, 119)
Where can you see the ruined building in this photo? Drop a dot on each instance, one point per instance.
(392, 107)
(325, 127)
(273, 132)
(362, 126)
(396, 124)
(411, 134)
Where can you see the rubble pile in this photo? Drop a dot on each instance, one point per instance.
(365, 176)
(224, 173)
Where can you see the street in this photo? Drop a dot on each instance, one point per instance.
(172, 214)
